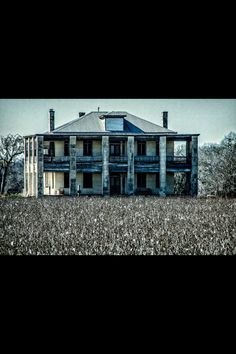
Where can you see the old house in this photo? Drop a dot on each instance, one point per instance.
(106, 153)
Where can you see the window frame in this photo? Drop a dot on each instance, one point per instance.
(141, 148)
(87, 147)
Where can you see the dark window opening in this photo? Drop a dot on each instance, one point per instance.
(88, 180)
(87, 147)
(115, 149)
(141, 148)
(31, 149)
(66, 180)
(66, 148)
(158, 148)
(51, 151)
(26, 151)
(158, 180)
(141, 180)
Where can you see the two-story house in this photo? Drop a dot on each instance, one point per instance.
(107, 153)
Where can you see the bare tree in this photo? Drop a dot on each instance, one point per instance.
(11, 147)
(217, 167)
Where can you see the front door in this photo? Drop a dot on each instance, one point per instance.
(115, 184)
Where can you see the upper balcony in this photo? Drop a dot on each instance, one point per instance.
(87, 159)
(147, 159)
(121, 159)
(178, 161)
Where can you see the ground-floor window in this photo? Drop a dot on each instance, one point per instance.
(66, 180)
(88, 180)
(141, 180)
(157, 180)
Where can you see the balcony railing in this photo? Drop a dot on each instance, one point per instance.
(56, 159)
(178, 159)
(154, 159)
(123, 159)
(89, 158)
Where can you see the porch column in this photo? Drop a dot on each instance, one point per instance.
(163, 166)
(194, 169)
(130, 175)
(25, 168)
(33, 192)
(105, 166)
(73, 189)
(28, 168)
(40, 167)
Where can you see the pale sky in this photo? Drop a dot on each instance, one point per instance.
(212, 118)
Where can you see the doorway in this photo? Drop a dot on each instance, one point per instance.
(115, 184)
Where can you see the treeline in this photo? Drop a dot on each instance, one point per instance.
(217, 168)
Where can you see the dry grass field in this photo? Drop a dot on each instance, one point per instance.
(117, 226)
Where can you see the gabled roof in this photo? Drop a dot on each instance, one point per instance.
(91, 123)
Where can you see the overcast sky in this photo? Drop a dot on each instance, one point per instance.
(212, 118)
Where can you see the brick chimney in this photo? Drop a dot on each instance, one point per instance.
(165, 119)
(51, 120)
(81, 114)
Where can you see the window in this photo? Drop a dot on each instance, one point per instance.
(53, 176)
(66, 148)
(115, 149)
(158, 180)
(87, 147)
(46, 180)
(66, 180)
(141, 180)
(26, 150)
(31, 147)
(51, 148)
(141, 148)
(158, 148)
(88, 180)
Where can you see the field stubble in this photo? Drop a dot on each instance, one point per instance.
(117, 226)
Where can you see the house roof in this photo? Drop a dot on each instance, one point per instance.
(91, 123)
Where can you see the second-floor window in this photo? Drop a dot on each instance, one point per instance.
(66, 148)
(115, 149)
(51, 151)
(87, 147)
(158, 148)
(141, 148)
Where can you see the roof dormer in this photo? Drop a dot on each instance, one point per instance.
(114, 122)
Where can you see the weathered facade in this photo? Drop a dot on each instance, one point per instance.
(106, 153)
